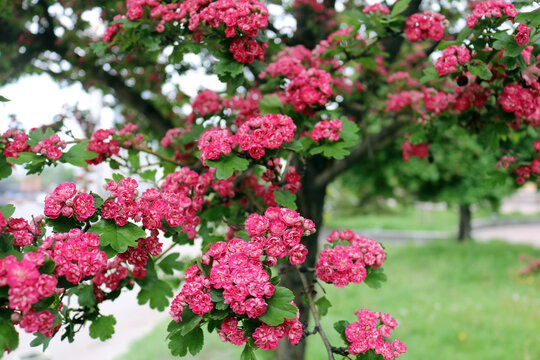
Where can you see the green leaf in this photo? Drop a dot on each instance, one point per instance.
(340, 327)
(149, 175)
(323, 305)
(508, 43)
(99, 47)
(429, 74)
(62, 224)
(248, 353)
(134, 160)
(226, 165)
(177, 345)
(119, 237)
(375, 278)
(103, 327)
(480, 69)
(40, 339)
(34, 137)
(7, 210)
(4, 99)
(279, 307)
(85, 294)
(24, 158)
(77, 155)
(531, 18)
(9, 338)
(286, 199)
(400, 7)
(158, 295)
(5, 168)
(170, 263)
(271, 104)
(194, 340)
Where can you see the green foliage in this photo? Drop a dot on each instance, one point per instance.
(103, 327)
(279, 308)
(323, 305)
(5, 168)
(77, 155)
(400, 7)
(118, 237)
(157, 295)
(375, 278)
(170, 263)
(480, 69)
(286, 199)
(531, 18)
(227, 165)
(271, 104)
(9, 338)
(341, 148)
(7, 210)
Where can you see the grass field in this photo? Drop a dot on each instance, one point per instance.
(410, 219)
(452, 302)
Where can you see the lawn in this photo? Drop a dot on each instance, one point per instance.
(452, 301)
(410, 218)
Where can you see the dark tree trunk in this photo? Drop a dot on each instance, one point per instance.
(310, 200)
(464, 231)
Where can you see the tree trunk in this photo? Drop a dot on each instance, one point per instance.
(464, 231)
(310, 200)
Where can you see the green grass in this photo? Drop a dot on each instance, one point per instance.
(410, 219)
(452, 302)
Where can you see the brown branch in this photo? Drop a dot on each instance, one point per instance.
(315, 314)
(370, 143)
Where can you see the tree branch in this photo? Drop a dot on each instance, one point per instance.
(315, 314)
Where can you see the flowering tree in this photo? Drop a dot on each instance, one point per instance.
(244, 170)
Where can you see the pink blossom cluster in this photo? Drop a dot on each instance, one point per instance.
(26, 286)
(171, 139)
(206, 102)
(521, 101)
(138, 255)
(369, 333)
(102, 143)
(344, 264)
(436, 101)
(76, 254)
(109, 277)
(239, 18)
(402, 76)
(246, 50)
(128, 137)
(327, 130)
(376, 8)
(42, 321)
(244, 107)
(178, 201)
(452, 56)
(418, 150)
(65, 201)
(522, 37)
(505, 161)
(14, 142)
(488, 9)
(310, 88)
(396, 102)
(422, 26)
(523, 173)
(235, 270)
(50, 147)
(264, 132)
(112, 30)
(214, 142)
(290, 62)
(278, 231)
(472, 94)
(22, 231)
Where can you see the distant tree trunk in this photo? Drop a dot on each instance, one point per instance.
(465, 228)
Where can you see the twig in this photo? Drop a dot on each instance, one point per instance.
(165, 252)
(315, 314)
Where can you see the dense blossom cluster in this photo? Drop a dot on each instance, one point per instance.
(102, 143)
(171, 139)
(471, 95)
(235, 269)
(370, 332)
(22, 231)
(264, 132)
(75, 253)
(109, 277)
(419, 150)
(51, 147)
(241, 19)
(310, 88)
(426, 25)
(26, 286)
(488, 9)
(214, 142)
(138, 255)
(327, 130)
(344, 264)
(522, 37)
(452, 56)
(65, 201)
(523, 102)
(376, 8)
(14, 142)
